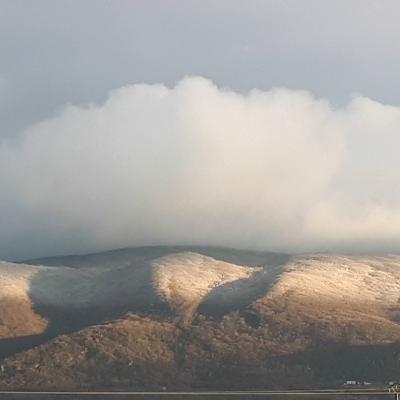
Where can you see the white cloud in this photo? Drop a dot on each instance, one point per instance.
(203, 165)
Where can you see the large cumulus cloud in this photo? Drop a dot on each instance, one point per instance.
(198, 164)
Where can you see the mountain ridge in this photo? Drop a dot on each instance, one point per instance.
(205, 309)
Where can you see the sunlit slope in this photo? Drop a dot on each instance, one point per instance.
(178, 282)
(167, 281)
(17, 315)
(350, 298)
(200, 317)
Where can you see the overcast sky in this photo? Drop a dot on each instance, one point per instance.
(76, 51)
(61, 55)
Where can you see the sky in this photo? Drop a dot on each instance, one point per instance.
(256, 124)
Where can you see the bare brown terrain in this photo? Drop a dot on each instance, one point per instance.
(192, 317)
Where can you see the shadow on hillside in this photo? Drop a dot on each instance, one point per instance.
(136, 293)
(328, 366)
(132, 279)
(342, 362)
(316, 368)
(240, 294)
(11, 346)
(63, 308)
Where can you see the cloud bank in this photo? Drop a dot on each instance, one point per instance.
(197, 164)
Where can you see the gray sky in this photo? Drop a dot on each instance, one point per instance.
(86, 166)
(76, 51)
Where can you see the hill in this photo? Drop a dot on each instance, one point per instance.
(179, 317)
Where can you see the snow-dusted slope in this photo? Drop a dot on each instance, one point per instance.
(347, 278)
(183, 280)
(15, 279)
(330, 297)
(179, 281)
(17, 315)
(186, 281)
(310, 317)
(43, 285)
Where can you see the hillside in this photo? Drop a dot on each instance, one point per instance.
(181, 317)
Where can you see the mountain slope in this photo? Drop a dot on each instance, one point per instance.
(17, 316)
(203, 317)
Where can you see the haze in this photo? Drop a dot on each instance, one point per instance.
(265, 125)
